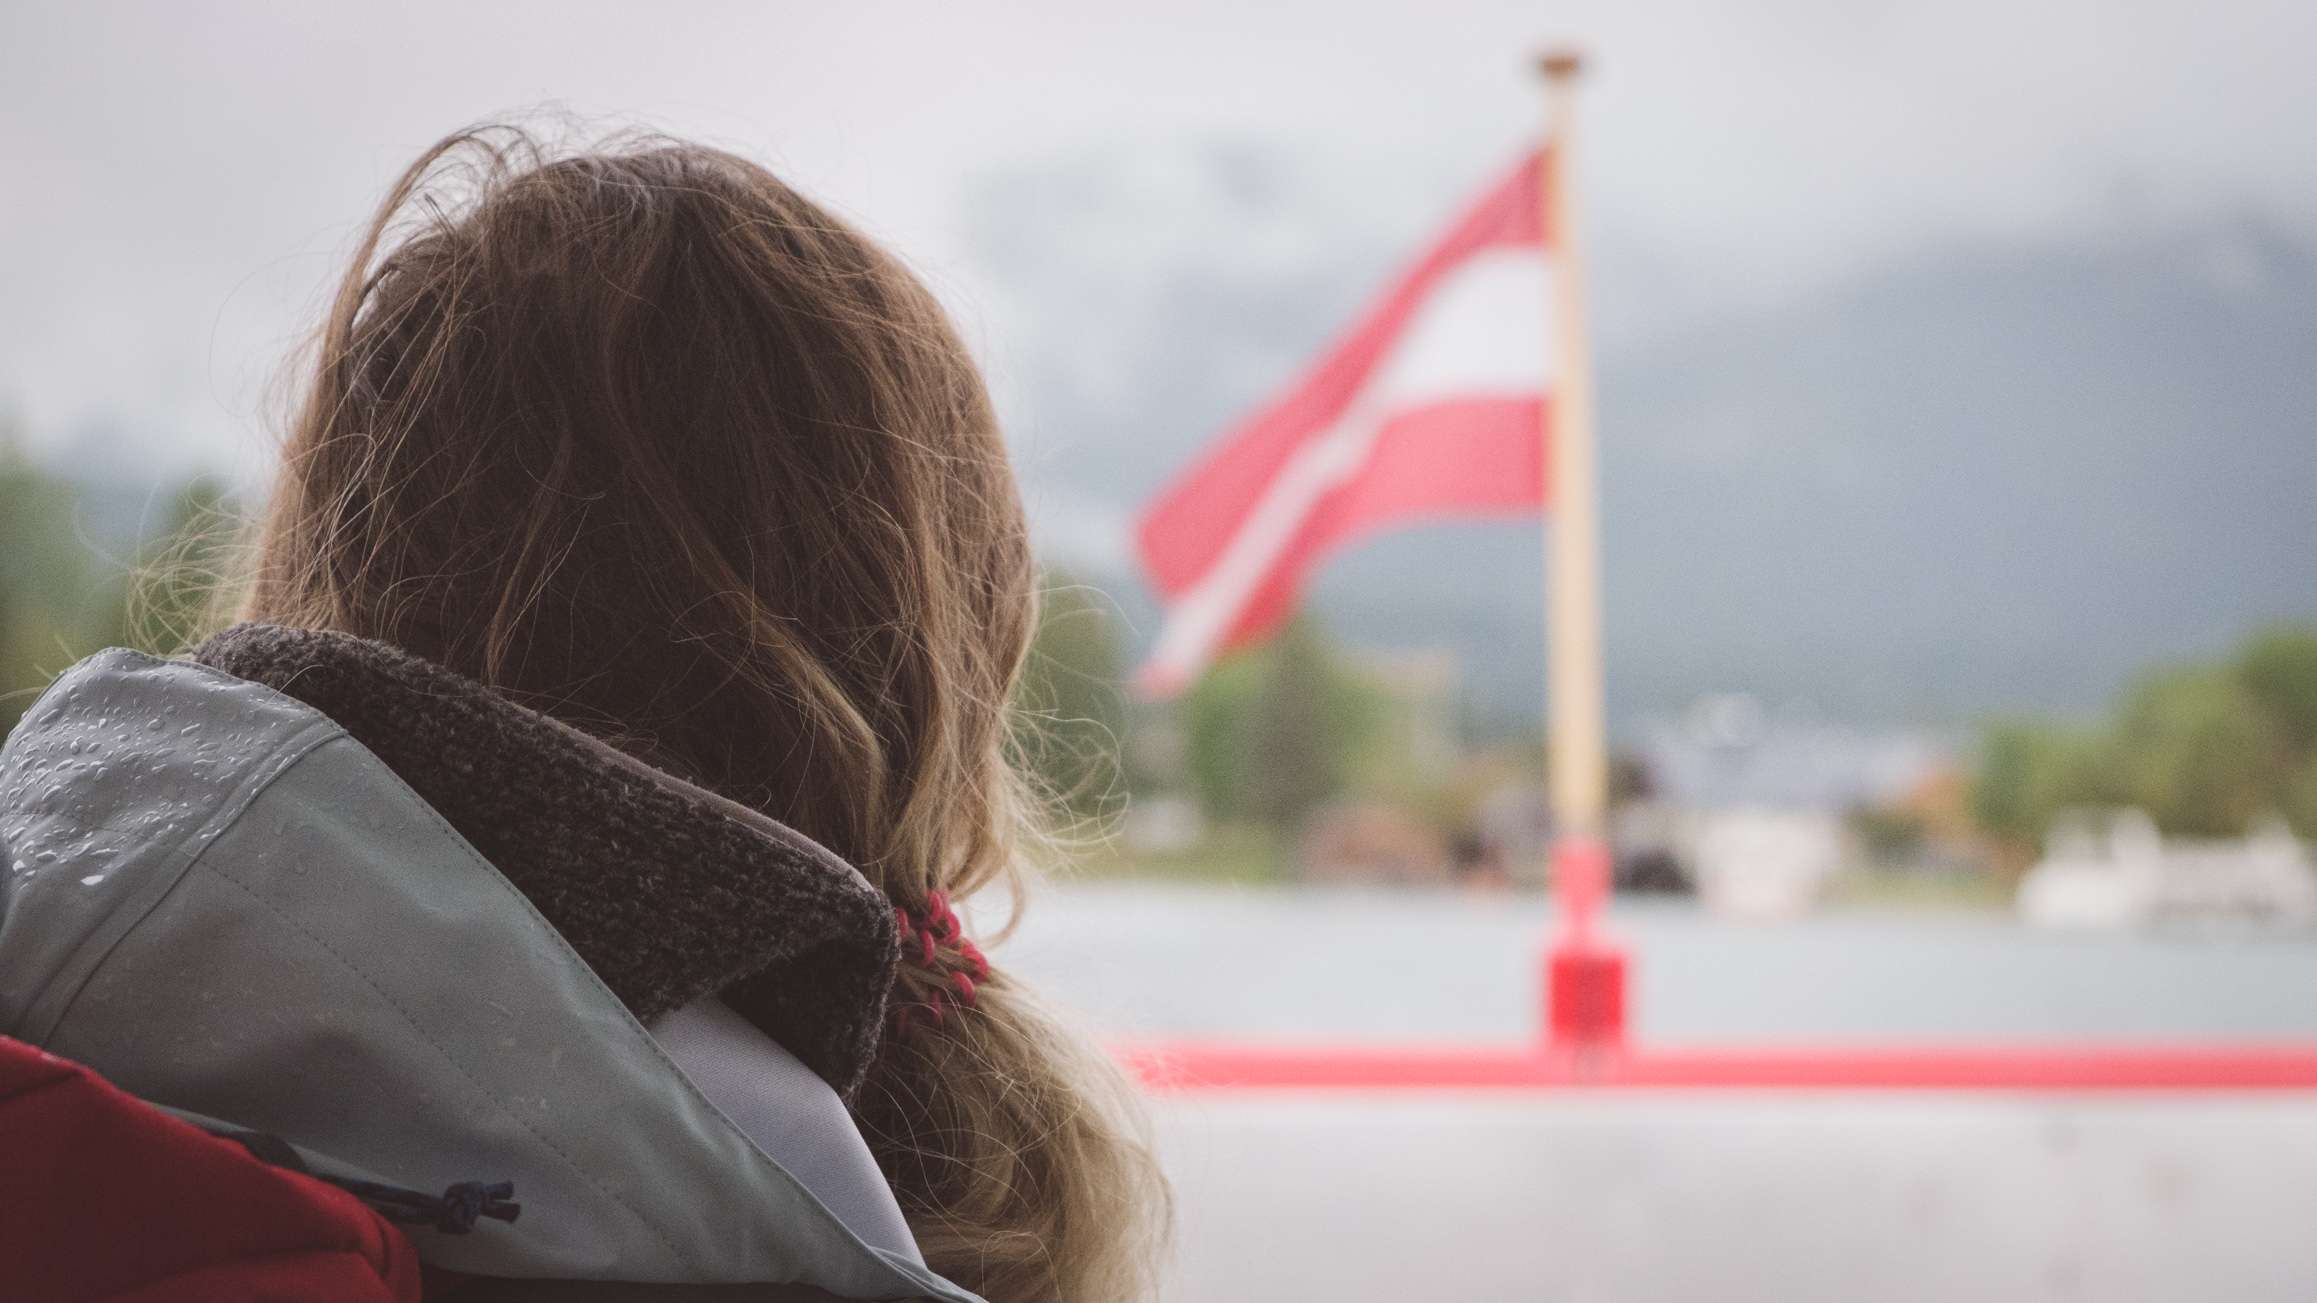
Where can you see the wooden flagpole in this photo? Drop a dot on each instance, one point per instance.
(1576, 749)
(1585, 978)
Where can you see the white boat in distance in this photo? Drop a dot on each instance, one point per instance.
(2112, 869)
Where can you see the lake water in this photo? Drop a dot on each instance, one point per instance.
(1151, 959)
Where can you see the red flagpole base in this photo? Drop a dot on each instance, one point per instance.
(1584, 972)
(1587, 1004)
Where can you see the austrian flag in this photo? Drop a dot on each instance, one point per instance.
(1432, 405)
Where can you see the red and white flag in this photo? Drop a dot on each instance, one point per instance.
(1433, 405)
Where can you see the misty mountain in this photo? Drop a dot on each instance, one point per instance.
(1992, 476)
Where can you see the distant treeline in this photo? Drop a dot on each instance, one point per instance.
(2205, 749)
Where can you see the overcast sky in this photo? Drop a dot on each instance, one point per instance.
(180, 179)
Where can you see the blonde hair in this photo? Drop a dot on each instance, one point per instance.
(642, 438)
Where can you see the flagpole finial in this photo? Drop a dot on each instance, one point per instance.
(1561, 64)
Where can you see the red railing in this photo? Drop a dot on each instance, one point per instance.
(1213, 1066)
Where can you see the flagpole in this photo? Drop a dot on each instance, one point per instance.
(1585, 1003)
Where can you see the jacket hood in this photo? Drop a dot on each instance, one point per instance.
(667, 890)
(316, 888)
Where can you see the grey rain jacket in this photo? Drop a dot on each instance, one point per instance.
(213, 894)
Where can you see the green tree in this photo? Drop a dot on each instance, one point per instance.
(2205, 749)
(2279, 668)
(2197, 751)
(48, 580)
(2028, 771)
(1294, 745)
(1214, 718)
(1279, 729)
(60, 599)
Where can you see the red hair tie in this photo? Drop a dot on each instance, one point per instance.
(922, 938)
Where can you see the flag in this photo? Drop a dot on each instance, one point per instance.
(1432, 405)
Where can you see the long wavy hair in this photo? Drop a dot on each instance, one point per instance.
(644, 439)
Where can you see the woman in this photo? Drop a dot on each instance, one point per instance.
(629, 637)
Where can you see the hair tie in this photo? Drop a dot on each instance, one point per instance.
(961, 968)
